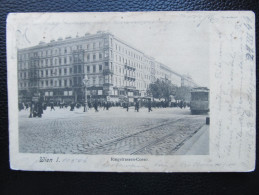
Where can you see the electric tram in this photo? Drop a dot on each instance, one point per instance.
(199, 100)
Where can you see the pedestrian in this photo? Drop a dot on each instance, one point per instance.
(149, 105)
(72, 106)
(52, 107)
(40, 109)
(137, 106)
(45, 106)
(96, 105)
(181, 104)
(31, 110)
(127, 106)
(35, 110)
(104, 105)
(85, 106)
(107, 105)
(184, 104)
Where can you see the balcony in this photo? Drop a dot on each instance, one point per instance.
(77, 51)
(129, 67)
(107, 71)
(129, 78)
(130, 87)
(107, 84)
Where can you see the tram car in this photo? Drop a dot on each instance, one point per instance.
(199, 100)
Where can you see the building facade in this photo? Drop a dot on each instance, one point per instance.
(115, 70)
(187, 81)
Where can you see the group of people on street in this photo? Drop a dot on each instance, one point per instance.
(137, 105)
(96, 104)
(37, 108)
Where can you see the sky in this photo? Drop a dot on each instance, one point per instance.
(182, 44)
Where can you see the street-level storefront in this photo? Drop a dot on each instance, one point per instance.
(95, 91)
(77, 94)
(65, 95)
(112, 98)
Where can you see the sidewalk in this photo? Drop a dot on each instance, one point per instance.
(198, 144)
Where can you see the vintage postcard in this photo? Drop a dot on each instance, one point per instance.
(132, 91)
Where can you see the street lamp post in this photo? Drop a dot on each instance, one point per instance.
(85, 82)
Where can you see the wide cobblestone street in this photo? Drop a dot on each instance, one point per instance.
(161, 132)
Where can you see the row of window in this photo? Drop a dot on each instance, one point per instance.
(130, 53)
(55, 83)
(60, 61)
(61, 71)
(93, 81)
(64, 82)
(121, 71)
(78, 70)
(121, 82)
(60, 50)
(123, 50)
(125, 61)
(53, 72)
(77, 59)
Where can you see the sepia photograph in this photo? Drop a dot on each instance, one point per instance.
(114, 88)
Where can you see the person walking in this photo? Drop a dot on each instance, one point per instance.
(40, 109)
(149, 104)
(35, 110)
(127, 106)
(104, 105)
(52, 107)
(96, 105)
(72, 106)
(31, 109)
(181, 104)
(85, 107)
(107, 105)
(137, 106)
(184, 104)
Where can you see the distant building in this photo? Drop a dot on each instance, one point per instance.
(115, 70)
(187, 81)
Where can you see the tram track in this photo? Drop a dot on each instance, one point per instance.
(110, 146)
(159, 140)
(116, 141)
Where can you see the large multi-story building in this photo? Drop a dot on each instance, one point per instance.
(115, 70)
(186, 80)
